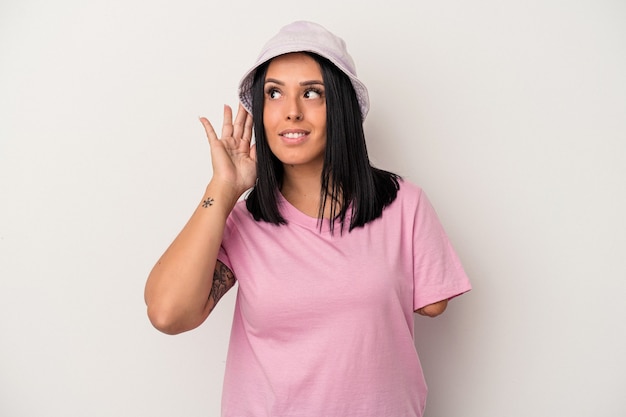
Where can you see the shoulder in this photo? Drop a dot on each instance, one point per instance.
(408, 188)
(406, 204)
(241, 209)
(238, 217)
(411, 205)
(409, 194)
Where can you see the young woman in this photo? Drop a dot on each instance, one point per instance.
(332, 256)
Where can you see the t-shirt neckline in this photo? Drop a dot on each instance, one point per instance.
(293, 215)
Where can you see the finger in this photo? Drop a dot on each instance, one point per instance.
(208, 128)
(227, 125)
(247, 128)
(240, 120)
(253, 152)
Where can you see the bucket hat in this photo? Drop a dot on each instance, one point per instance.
(303, 36)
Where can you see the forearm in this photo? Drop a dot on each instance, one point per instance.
(178, 287)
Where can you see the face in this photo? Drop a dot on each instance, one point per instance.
(295, 111)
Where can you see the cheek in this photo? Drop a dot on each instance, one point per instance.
(271, 111)
(319, 114)
(267, 116)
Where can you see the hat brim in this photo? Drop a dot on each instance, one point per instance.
(245, 85)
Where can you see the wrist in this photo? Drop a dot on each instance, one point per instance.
(220, 196)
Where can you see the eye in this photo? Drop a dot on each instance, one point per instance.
(313, 93)
(273, 93)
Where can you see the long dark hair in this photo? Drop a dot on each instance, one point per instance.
(348, 178)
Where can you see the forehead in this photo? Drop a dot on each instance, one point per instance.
(296, 64)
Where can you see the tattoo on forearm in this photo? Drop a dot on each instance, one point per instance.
(208, 202)
(223, 280)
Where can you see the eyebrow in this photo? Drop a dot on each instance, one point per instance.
(303, 83)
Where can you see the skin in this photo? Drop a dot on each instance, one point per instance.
(295, 125)
(187, 282)
(433, 310)
(295, 112)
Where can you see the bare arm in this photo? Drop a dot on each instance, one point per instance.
(433, 310)
(187, 281)
(223, 280)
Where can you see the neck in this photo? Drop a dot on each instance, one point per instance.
(301, 188)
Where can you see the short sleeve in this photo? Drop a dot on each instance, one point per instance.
(437, 272)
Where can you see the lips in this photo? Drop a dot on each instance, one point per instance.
(294, 135)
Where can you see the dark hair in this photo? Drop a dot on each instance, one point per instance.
(356, 185)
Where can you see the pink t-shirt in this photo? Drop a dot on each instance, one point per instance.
(323, 323)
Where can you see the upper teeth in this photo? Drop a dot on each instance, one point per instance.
(293, 135)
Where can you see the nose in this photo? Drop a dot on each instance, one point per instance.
(295, 116)
(294, 113)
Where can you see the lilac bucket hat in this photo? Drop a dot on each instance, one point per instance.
(302, 36)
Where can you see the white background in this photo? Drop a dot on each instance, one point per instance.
(510, 114)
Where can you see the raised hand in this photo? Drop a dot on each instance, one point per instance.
(232, 156)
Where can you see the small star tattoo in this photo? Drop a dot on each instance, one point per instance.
(208, 202)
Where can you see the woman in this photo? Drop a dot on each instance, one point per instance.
(332, 255)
